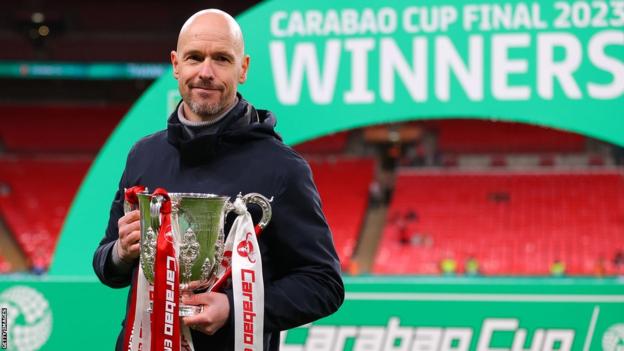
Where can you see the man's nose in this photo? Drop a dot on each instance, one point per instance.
(206, 71)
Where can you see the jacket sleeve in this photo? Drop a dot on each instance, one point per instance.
(308, 285)
(102, 260)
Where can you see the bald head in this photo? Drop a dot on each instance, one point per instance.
(209, 64)
(212, 22)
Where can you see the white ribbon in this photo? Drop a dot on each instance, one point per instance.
(140, 339)
(248, 285)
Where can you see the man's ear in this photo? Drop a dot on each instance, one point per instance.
(174, 63)
(244, 67)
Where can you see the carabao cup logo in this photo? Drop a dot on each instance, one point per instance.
(613, 338)
(246, 249)
(29, 318)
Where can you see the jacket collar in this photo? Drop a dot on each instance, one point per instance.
(241, 124)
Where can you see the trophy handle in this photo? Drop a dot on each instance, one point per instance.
(155, 205)
(225, 270)
(265, 205)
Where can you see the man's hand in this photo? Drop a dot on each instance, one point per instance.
(215, 313)
(129, 236)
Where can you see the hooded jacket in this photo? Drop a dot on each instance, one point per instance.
(244, 154)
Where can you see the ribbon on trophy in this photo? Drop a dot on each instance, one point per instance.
(153, 321)
(165, 312)
(247, 282)
(138, 319)
(162, 328)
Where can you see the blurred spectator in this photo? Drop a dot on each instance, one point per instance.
(411, 215)
(376, 194)
(404, 235)
(618, 262)
(38, 265)
(448, 266)
(557, 268)
(618, 259)
(429, 143)
(403, 223)
(618, 155)
(472, 266)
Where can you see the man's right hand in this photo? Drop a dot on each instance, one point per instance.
(129, 236)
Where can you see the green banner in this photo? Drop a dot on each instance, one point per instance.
(338, 65)
(419, 314)
(470, 314)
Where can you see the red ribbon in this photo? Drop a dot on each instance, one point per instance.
(165, 320)
(131, 194)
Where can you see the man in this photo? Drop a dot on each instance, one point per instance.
(216, 142)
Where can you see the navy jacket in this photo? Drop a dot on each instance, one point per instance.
(300, 266)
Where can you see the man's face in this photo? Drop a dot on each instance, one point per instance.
(209, 65)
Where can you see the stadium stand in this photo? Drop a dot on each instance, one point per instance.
(43, 129)
(344, 198)
(458, 136)
(42, 163)
(513, 223)
(330, 144)
(40, 191)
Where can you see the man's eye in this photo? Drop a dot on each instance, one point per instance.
(194, 58)
(222, 58)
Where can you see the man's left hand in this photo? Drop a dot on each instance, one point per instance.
(215, 313)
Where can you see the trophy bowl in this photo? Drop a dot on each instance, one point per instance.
(197, 225)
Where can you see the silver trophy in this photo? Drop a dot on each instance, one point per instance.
(197, 223)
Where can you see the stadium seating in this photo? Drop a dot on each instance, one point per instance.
(34, 210)
(514, 223)
(27, 128)
(343, 185)
(330, 144)
(37, 195)
(460, 136)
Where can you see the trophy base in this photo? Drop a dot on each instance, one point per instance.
(183, 310)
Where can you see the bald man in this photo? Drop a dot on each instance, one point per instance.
(216, 142)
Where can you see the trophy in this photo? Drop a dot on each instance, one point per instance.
(197, 227)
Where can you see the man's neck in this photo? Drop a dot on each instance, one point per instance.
(189, 118)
